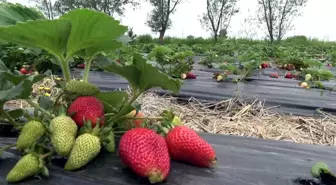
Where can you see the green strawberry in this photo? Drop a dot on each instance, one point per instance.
(86, 148)
(80, 88)
(109, 144)
(30, 133)
(27, 166)
(63, 134)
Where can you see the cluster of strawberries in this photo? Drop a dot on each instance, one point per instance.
(149, 154)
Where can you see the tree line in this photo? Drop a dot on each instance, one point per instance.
(275, 17)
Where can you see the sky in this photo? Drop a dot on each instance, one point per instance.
(317, 20)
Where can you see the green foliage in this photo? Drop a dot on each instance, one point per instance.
(14, 13)
(318, 74)
(143, 76)
(80, 32)
(108, 7)
(170, 62)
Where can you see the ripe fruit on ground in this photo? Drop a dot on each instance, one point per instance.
(289, 75)
(27, 166)
(86, 148)
(190, 75)
(186, 145)
(183, 76)
(265, 65)
(87, 108)
(30, 133)
(146, 153)
(274, 75)
(80, 88)
(63, 134)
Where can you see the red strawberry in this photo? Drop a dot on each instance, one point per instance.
(191, 75)
(186, 145)
(23, 70)
(87, 108)
(289, 75)
(274, 75)
(146, 153)
(82, 66)
(264, 65)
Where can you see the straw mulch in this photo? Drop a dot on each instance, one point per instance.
(234, 117)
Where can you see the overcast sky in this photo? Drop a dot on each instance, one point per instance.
(317, 21)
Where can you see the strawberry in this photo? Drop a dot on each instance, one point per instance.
(146, 153)
(289, 75)
(274, 75)
(265, 65)
(29, 165)
(190, 75)
(82, 66)
(31, 132)
(186, 145)
(86, 148)
(87, 108)
(23, 70)
(136, 122)
(63, 134)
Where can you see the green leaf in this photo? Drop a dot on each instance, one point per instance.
(10, 14)
(50, 35)
(90, 29)
(143, 76)
(21, 91)
(3, 66)
(16, 79)
(45, 102)
(317, 167)
(113, 101)
(16, 113)
(104, 46)
(45, 171)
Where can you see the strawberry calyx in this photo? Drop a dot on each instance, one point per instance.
(87, 128)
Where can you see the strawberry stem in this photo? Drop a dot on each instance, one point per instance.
(87, 69)
(144, 118)
(46, 155)
(6, 147)
(36, 106)
(10, 119)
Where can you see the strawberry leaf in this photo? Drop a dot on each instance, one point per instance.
(13, 13)
(113, 101)
(143, 76)
(90, 32)
(21, 91)
(50, 35)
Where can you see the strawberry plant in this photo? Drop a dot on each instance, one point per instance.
(83, 121)
(170, 62)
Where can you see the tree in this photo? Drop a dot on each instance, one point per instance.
(107, 6)
(159, 19)
(3, 1)
(277, 16)
(218, 15)
(46, 7)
